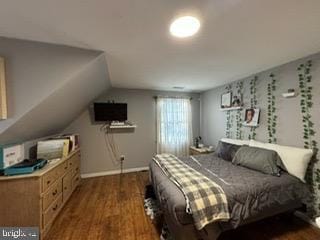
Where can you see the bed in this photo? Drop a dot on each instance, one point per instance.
(251, 195)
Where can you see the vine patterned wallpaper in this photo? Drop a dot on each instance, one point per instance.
(287, 121)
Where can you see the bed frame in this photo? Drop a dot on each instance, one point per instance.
(211, 231)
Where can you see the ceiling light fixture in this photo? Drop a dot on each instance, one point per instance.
(183, 27)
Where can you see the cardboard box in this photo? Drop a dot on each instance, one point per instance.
(10, 155)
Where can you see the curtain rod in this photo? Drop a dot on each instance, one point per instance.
(181, 97)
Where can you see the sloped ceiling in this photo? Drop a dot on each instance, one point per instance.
(48, 86)
(237, 37)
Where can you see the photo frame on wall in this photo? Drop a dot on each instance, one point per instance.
(237, 100)
(3, 92)
(252, 117)
(226, 100)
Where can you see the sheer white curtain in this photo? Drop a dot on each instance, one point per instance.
(174, 125)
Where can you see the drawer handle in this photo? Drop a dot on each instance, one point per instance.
(66, 167)
(48, 182)
(55, 207)
(65, 188)
(55, 192)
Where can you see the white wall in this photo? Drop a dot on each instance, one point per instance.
(138, 146)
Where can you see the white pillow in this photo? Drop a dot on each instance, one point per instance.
(296, 160)
(235, 141)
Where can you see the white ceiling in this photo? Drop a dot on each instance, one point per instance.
(237, 38)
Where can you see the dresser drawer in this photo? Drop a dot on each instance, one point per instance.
(52, 211)
(67, 186)
(71, 161)
(75, 181)
(62, 169)
(48, 179)
(52, 194)
(76, 167)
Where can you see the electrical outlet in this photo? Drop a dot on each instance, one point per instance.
(122, 157)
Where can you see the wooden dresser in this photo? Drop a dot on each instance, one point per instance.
(34, 200)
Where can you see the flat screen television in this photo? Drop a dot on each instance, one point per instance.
(105, 112)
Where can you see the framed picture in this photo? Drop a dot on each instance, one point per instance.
(3, 93)
(226, 99)
(237, 101)
(252, 117)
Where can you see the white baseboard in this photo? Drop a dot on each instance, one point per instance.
(113, 172)
(305, 218)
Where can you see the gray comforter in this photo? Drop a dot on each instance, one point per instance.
(251, 194)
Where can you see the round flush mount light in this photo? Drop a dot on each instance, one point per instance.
(183, 27)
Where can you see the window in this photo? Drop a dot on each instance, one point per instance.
(174, 125)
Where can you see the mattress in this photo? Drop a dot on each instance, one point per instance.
(251, 195)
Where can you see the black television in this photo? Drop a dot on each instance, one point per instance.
(105, 112)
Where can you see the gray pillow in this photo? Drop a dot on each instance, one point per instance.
(259, 159)
(226, 151)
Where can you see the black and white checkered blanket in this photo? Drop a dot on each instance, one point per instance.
(205, 199)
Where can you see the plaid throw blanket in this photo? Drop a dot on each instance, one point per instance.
(206, 200)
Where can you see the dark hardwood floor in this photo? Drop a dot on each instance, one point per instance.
(101, 209)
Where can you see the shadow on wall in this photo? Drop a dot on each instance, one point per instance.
(91, 115)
